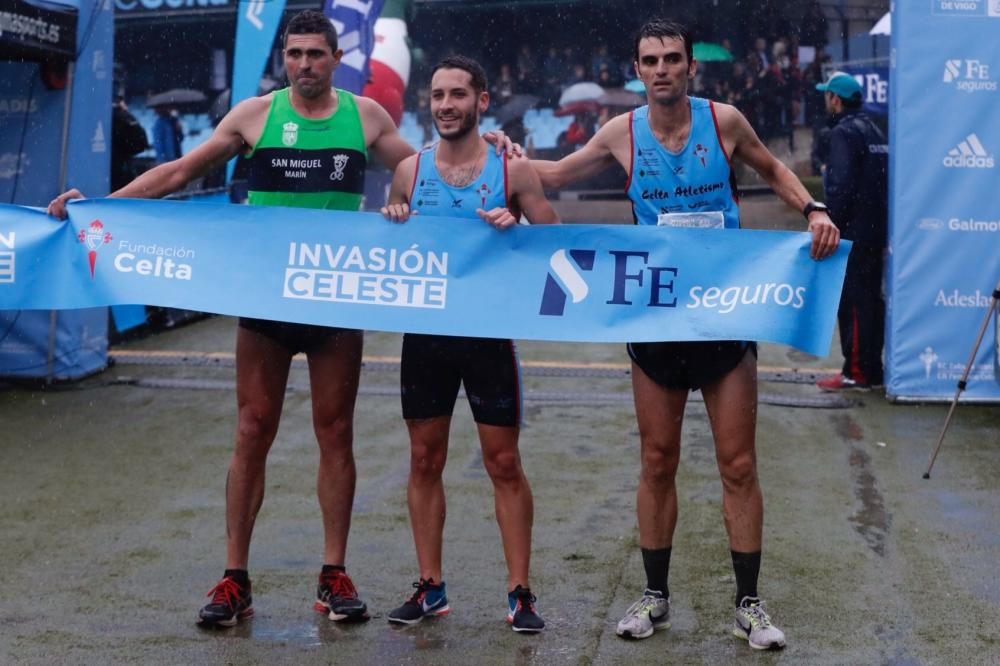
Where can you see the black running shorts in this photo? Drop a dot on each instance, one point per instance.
(433, 367)
(296, 338)
(688, 365)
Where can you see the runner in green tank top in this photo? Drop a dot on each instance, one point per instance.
(309, 162)
(294, 165)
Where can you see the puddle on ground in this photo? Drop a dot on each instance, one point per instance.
(872, 521)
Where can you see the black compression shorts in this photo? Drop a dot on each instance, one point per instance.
(296, 338)
(688, 365)
(433, 367)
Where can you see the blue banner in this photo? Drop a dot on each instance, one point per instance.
(355, 24)
(55, 345)
(874, 80)
(596, 283)
(88, 164)
(944, 230)
(256, 24)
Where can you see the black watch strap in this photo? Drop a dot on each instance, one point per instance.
(813, 206)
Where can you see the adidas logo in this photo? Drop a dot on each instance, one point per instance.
(969, 154)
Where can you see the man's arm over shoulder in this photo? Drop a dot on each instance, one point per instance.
(381, 134)
(397, 209)
(226, 142)
(525, 189)
(597, 155)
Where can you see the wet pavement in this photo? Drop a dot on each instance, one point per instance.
(113, 526)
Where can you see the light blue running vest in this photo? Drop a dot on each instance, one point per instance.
(430, 195)
(696, 179)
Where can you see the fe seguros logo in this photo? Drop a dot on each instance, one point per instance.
(635, 279)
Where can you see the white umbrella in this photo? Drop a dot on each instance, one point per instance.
(581, 92)
(883, 27)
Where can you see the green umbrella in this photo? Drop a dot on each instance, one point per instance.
(708, 52)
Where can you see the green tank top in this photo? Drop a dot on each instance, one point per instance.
(309, 163)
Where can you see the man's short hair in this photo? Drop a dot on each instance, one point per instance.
(311, 22)
(664, 29)
(465, 64)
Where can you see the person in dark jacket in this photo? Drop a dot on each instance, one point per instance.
(856, 182)
(128, 139)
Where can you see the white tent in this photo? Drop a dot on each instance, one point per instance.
(883, 27)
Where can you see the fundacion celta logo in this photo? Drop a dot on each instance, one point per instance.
(94, 237)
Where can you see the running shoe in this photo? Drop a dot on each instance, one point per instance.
(521, 613)
(841, 383)
(754, 625)
(643, 617)
(429, 599)
(231, 602)
(338, 598)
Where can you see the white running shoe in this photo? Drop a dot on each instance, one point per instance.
(644, 616)
(754, 625)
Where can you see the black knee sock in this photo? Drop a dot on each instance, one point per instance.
(747, 568)
(657, 565)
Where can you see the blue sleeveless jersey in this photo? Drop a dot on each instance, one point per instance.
(430, 195)
(696, 179)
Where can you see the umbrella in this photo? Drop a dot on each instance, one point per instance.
(636, 86)
(573, 108)
(515, 108)
(580, 92)
(621, 97)
(883, 27)
(178, 97)
(708, 52)
(220, 107)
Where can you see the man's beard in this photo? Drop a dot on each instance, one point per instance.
(309, 88)
(469, 123)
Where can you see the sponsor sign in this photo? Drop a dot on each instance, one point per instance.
(598, 283)
(969, 154)
(150, 6)
(966, 8)
(30, 31)
(944, 222)
(969, 75)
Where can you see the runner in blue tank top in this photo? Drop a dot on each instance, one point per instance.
(677, 152)
(459, 177)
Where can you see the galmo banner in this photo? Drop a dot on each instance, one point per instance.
(588, 283)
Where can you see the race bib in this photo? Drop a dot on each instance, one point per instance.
(712, 219)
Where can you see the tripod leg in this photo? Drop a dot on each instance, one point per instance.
(965, 377)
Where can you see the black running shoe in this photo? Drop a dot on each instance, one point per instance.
(231, 602)
(338, 598)
(429, 599)
(521, 611)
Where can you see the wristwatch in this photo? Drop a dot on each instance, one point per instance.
(813, 206)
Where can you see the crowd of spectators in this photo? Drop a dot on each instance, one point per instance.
(771, 79)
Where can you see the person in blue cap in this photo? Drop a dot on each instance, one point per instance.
(856, 182)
